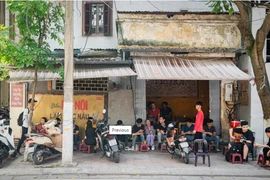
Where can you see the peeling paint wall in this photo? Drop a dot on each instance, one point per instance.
(179, 31)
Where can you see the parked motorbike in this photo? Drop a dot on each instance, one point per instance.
(7, 147)
(44, 145)
(107, 143)
(4, 112)
(178, 146)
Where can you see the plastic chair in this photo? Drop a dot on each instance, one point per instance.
(233, 157)
(260, 159)
(84, 148)
(163, 148)
(211, 146)
(201, 149)
(144, 147)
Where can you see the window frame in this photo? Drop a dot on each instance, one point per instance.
(107, 18)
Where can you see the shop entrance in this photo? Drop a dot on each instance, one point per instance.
(181, 96)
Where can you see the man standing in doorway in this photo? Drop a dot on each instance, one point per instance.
(198, 127)
(166, 113)
(26, 113)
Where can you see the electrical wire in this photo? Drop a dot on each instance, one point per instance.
(78, 8)
(153, 5)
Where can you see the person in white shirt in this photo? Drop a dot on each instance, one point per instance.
(24, 125)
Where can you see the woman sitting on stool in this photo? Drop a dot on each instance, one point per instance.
(91, 136)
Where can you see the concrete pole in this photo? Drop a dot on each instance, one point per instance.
(67, 148)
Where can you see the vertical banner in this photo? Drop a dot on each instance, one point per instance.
(16, 96)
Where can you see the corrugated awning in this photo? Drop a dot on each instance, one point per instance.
(182, 69)
(28, 75)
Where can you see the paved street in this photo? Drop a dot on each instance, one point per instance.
(132, 177)
(133, 165)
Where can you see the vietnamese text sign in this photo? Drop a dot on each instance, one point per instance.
(16, 97)
(120, 130)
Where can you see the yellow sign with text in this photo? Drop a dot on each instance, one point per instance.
(84, 106)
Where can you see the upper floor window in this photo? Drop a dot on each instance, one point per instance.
(2, 12)
(97, 18)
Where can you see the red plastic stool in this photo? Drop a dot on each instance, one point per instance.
(211, 146)
(225, 149)
(163, 148)
(261, 159)
(233, 158)
(144, 147)
(84, 148)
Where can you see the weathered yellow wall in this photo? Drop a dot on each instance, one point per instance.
(84, 106)
(186, 106)
(179, 31)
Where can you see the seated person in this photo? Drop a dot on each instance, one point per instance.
(266, 148)
(89, 119)
(161, 131)
(153, 113)
(137, 131)
(187, 130)
(171, 131)
(150, 134)
(91, 136)
(123, 138)
(166, 113)
(246, 139)
(210, 134)
(76, 136)
(39, 128)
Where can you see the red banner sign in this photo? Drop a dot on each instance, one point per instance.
(16, 95)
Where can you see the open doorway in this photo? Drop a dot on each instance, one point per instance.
(181, 96)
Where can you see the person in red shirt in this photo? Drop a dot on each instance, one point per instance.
(39, 127)
(198, 127)
(153, 113)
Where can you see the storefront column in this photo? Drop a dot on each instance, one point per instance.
(225, 125)
(214, 103)
(140, 99)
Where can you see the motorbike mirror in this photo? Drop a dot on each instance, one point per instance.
(103, 111)
(58, 114)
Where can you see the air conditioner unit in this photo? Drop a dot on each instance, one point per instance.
(228, 92)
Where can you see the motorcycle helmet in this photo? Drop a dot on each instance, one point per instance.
(171, 126)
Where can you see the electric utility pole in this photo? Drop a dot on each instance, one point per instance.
(67, 146)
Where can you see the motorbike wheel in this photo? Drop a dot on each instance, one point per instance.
(37, 157)
(1, 163)
(170, 150)
(186, 158)
(13, 154)
(116, 157)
